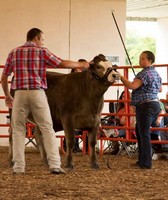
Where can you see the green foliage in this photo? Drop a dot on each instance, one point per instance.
(136, 43)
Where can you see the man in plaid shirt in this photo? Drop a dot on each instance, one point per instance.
(28, 63)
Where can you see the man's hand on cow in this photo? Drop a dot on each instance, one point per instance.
(9, 101)
(84, 64)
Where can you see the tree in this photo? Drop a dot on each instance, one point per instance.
(136, 43)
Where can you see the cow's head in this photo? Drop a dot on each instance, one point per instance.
(103, 70)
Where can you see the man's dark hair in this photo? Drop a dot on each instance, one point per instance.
(150, 56)
(32, 33)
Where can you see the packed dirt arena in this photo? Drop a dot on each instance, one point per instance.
(119, 96)
(122, 181)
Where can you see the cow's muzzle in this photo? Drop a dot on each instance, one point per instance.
(116, 76)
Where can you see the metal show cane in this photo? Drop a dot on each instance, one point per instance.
(108, 165)
(123, 42)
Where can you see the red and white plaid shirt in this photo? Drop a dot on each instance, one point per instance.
(29, 64)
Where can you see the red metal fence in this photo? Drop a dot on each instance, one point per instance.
(128, 138)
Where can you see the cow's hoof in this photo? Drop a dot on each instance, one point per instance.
(69, 166)
(95, 166)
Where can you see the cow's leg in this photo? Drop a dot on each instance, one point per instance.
(40, 144)
(92, 136)
(10, 155)
(70, 145)
(70, 136)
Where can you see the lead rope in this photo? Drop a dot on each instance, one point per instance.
(111, 144)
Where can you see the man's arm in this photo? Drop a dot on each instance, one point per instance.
(8, 97)
(72, 64)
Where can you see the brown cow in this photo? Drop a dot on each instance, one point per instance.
(76, 102)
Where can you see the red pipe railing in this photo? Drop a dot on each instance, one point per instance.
(127, 126)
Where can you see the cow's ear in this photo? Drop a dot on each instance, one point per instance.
(96, 59)
(102, 57)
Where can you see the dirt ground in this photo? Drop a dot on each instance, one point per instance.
(122, 182)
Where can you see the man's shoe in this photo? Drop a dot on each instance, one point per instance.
(57, 171)
(18, 174)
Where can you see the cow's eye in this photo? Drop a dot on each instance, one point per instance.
(98, 67)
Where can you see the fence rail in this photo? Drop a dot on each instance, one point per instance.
(127, 126)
